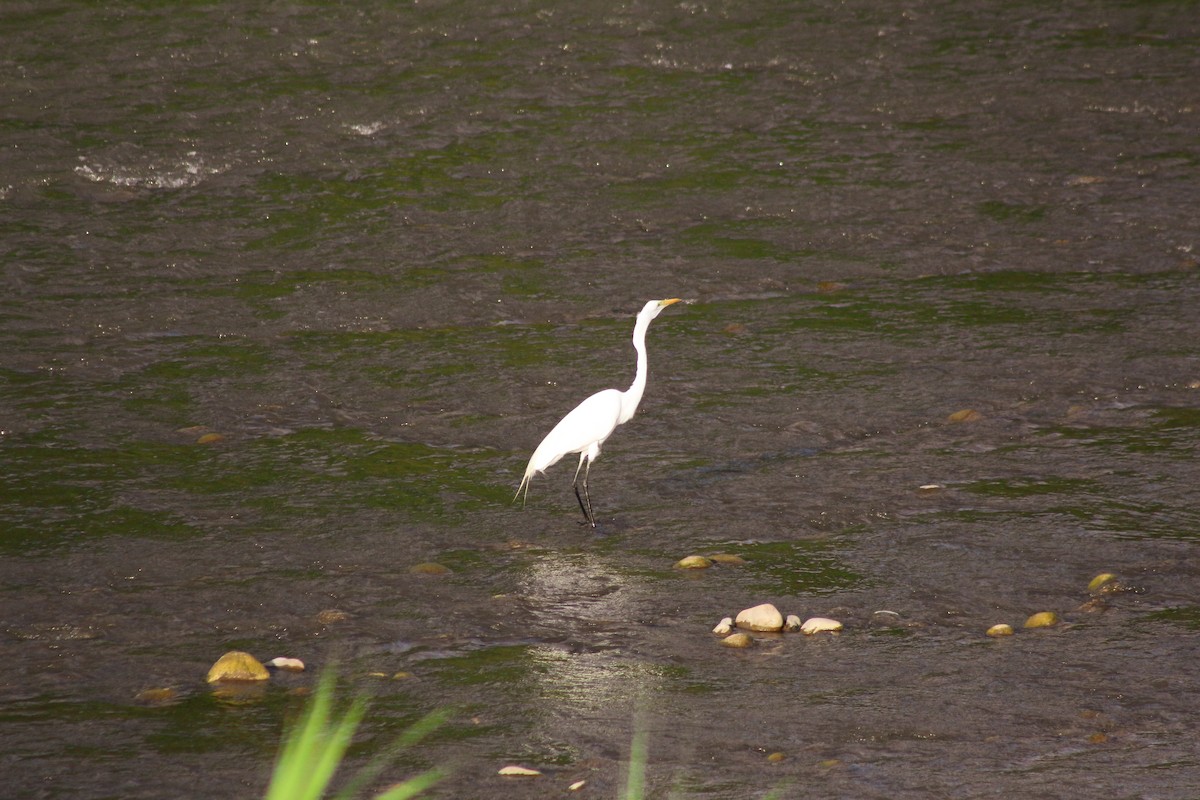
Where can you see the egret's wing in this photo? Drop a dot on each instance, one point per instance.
(590, 422)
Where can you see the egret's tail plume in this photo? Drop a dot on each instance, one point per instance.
(524, 487)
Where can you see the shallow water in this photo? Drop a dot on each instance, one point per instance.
(381, 249)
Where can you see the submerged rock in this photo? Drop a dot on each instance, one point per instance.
(331, 615)
(693, 562)
(1094, 605)
(157, 696)
(738, 640)
(429, 568)
(1003, 629)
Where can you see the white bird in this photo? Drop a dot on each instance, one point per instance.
(591, 422)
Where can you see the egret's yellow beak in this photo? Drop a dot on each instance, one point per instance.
(668, 302)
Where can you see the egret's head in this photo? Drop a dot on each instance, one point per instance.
(654, 307)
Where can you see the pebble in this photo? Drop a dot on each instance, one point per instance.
(1003, 629)
(819, 625)
(237, 666)
(738, 640)
(288, 664)
(513, 770)
(724, 626)
(792, 623)
(764, 617)
(693, 562)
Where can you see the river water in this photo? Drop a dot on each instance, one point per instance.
(292, 290)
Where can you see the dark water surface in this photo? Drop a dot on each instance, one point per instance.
(381, 248)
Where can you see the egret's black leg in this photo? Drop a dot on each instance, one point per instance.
(575, 486)
(586, 509)
(582, 507)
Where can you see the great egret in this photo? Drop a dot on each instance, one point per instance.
(591, 422)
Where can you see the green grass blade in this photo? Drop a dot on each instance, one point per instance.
(315, 746)
(635, 781)
(335, 742)
(293, 777)
(415, 733)
(423, 727)
(413, 786)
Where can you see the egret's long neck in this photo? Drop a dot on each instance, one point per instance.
(633, 395)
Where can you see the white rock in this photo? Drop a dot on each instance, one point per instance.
(724, 626)
(792, 623)
(765, 617)
(819, 624)
(738, 640)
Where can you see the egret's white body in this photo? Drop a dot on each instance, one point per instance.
(591, 422)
